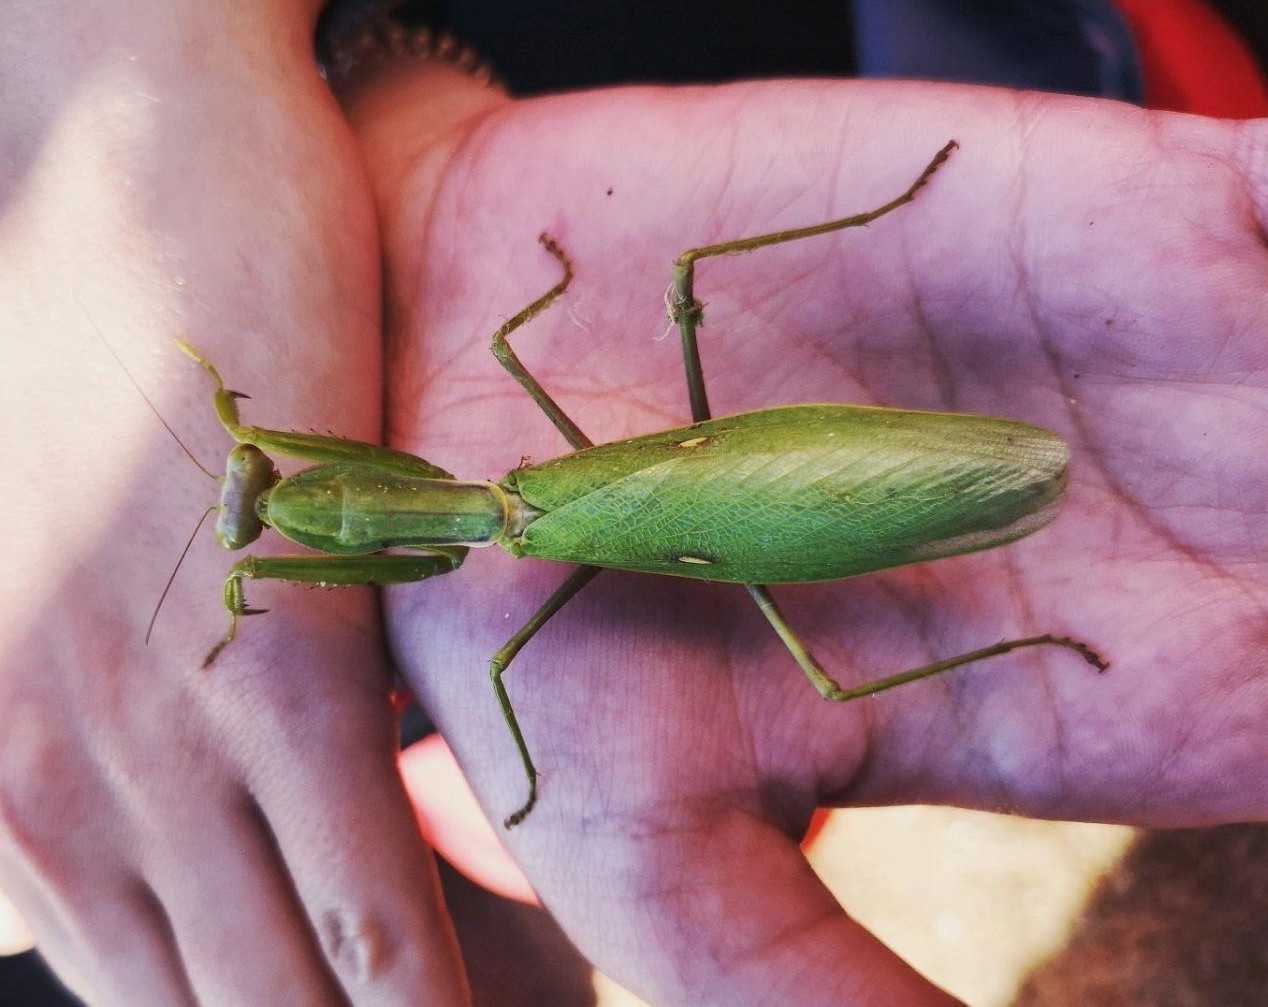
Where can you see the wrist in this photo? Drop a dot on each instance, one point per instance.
(192, 176)
(48, 50)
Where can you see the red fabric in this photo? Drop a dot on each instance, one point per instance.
(1193, 61)
(816, 826)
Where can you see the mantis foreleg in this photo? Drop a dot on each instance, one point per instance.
(309, 447)
(335, 571)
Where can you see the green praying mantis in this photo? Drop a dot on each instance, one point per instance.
(790, 494)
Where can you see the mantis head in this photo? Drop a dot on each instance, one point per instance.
(249, 473)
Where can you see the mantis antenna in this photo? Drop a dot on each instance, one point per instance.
(175, 570)
(149, 629)
(135, 384)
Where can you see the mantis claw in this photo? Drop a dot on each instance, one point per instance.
(215, 651)
(1083, 650)
(514, 819)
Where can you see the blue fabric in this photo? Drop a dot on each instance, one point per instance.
(1074, 46)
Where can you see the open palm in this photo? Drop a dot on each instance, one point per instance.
(1084, 266)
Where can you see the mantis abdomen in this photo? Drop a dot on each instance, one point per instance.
(795, 494)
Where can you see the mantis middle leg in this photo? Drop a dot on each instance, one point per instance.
(578, 579)
(582, 575)
(507, 358)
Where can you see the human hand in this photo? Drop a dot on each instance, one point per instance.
(1082, 265)
(174, 836)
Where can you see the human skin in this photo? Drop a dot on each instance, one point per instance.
(1083, 265)
(175, 836)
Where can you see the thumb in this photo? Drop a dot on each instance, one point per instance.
(734, 915)
(1252, 158)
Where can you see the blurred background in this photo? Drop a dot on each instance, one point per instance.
(1000, 911)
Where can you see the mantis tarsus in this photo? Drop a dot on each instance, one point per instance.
(782, 495)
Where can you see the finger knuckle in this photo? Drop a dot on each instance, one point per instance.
(1253, 136)
(1252, 153)
(356, 943)
(34, 782)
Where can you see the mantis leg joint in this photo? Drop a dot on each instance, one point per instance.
(689, 308)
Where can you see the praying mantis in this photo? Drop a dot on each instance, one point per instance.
(789, 494)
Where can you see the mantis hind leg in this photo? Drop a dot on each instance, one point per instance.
(829, 689)
(335, 571)
(507, 358)
(688, 312)
(578, 579)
